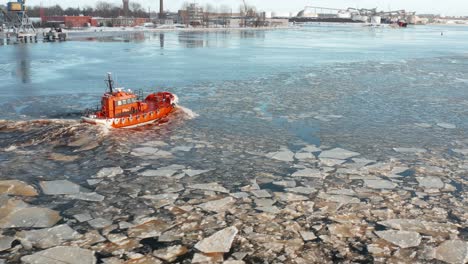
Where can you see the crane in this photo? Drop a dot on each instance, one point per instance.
(245, 6)
(21, 25)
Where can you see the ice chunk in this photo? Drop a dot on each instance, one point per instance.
(214, 186)
(308, 173)
(170, 254)
(304, 156)
(283, 155)
(99, 223)
(261, 193)
(430, 182)
(17, 214)
(380, 184)
(60, 187)
(453, 252)
(219, 242)
(218, 205)
(83, 217)
(290, 197)
(158, 173)
(48, 237)
(302, 190)
(403, 239)
(192, 173)
(338, 153)
(109, 172)
(410, 150)
(60, 255)
(461, 151)
(5, 242)
(307, 236)
(446, 125)
(15, 187)
(91, 197)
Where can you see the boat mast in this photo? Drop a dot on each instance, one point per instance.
(110, 82)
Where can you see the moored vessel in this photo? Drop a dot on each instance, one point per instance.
(126, 109)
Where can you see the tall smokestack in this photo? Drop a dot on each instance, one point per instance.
(125, 7)
(161, 9)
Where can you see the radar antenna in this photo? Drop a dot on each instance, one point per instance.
(110, 82)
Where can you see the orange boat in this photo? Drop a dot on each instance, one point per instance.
(121, 108)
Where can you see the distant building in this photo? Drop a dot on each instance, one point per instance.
(193, 15)
(125, 7)
(122, 21)
(69, 21)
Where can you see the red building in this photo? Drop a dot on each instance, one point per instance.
(70, 21)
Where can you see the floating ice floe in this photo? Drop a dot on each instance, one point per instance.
(290, 197)
(240, 195)
(308, 236)
(5, 242)
(430, 182)
(150, 153)
(148, 228)
(109, 172)
(191, 172)
(461, 151)
(423, 125)
(302, 190)
(446, 125)
(17, 214)
(182, 148)
(283, 155)
(331, 162)
(214, 186)
(311, 149)
(421, 226)
(452, 251)
(379, 184)
(219, 242)
(48, 237)
(338, 153)
(84, 217)
(218, 205)
(261, 193)
(15, 187)
(99, 223)
(410, 150)
(158, 173)
(60, 187)
(308, 173)
(304, 156)
(87, 196)
(403, 239)
(286, 184)
(61, 255)
(342, 199)
(170, 254)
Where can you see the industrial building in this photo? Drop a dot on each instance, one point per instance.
(69, 21)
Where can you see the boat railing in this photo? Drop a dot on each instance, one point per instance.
(139, 94)
(90, 111)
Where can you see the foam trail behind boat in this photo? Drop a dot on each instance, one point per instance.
(188, 112)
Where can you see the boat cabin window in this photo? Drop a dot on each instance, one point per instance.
(119, 103)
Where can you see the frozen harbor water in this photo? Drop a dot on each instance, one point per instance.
(316, 145)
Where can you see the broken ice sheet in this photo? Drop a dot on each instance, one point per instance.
(283, 155)
(338, 153)
(214, 186)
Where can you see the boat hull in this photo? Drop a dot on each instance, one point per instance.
(130, 121)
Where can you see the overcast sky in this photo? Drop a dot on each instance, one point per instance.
(446, 7)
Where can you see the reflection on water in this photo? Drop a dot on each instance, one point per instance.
(191, 40)
(23, 63)
(161, 40)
